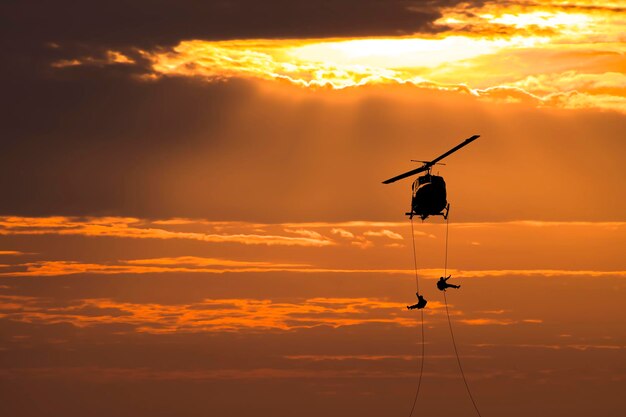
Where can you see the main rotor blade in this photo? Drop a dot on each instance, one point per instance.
(427, 165)
(406, 174)
(456, 148)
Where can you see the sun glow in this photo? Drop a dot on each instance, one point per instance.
(543, 19)
(404, 53)
(335, 63)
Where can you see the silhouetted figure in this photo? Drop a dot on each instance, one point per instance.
(421, 303)
(442, 284)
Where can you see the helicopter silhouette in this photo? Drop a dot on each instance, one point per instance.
(429, 191)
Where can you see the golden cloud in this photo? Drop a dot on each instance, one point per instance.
(137, 229)
(211, 315)
(473, 37)
(196, 261)
(11, 252)
(110, 57)
(342, 232)
(384, 233)
(497, 322)
(546, 41)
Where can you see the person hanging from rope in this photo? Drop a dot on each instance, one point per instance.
(442, 284)
(421, 303)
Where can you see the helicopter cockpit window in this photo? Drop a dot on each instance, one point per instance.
(424, 179)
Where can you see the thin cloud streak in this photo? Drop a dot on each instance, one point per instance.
(140, 374)
(197, 261)
(497, 322)
(198, 265)
(384, 233)
(136, 229)
(373, 358)
(566, 346)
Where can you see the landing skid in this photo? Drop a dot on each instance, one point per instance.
(444, 214)
(447, 210)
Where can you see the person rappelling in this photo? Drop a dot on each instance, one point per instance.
(421, 303)
(442, 284)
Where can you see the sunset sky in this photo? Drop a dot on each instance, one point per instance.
(192, 220)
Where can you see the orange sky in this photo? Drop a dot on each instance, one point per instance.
(193, 220)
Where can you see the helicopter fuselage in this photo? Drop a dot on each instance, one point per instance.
(429, 197)
(429, 191)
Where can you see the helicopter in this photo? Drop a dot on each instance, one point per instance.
(429, 191)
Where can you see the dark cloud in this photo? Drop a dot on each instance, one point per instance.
(85, 135)
(165, 22)
(35, 33)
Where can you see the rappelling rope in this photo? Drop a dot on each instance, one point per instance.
(458, 359)
(445, 262)
(417, 285)
(417, 281)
